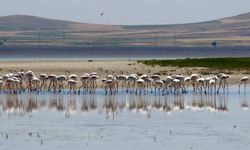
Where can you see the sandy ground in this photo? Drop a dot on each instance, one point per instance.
(109, 67)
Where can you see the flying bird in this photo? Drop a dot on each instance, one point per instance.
(101, 14)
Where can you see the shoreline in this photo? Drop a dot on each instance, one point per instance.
(77, 67)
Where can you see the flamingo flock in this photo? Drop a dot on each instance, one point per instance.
(16, 82)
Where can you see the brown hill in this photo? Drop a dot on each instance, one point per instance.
(21, 29)
(24, 22)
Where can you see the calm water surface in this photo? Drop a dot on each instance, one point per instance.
(125, 121)
(117, 52)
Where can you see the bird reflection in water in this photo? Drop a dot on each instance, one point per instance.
(89, 103)
(167, 107)
(111, 105)
(210, 102)
(31, 104)
(243, 102)
(85, 104)
(198, 102)
(178, 102)
(223, 103)
(71, 105)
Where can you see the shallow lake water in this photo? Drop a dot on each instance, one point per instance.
(125, 121)
(35, 53)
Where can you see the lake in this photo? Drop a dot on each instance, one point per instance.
(10, 53)
(125, 121)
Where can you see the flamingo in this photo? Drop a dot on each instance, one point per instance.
(187, 82)
(35, 84)
(72, 86)
(182, 82)
(148, 81)
(20, 76)
(15, 85)
(52, 82)
(177, 85)
(93, 84)
(131, 79)
(244, 81)
(223, 81)
(156, 77)
(43, 78)
(109, 84)
(140, 86)
(122, 79)
(73, 77)
(159, 84)
(8, 85)
(60, 81)
(28, 76)
(211, 85)
(194, 78)
(85, 82)
(200, 84)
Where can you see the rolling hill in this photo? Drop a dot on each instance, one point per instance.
(25, 23)
(31, 30)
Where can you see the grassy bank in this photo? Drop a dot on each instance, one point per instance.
(216, 63)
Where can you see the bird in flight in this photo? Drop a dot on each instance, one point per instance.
(101, 14)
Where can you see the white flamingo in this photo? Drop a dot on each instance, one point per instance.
(60, 82)
(131, 79)
(8, 85)
(244, 81)
(73, 77)
(200, 84)
(52, 82)
(210, 84)
(43, 78)
(109, 85)
(176, 85)
(93, 84)
(159, 84)
(169, 84)
(148, 82)
(35, 84)
(182, 82)
(72, 86)
(140, 87)
(28, 76)
(223, 82)
(187, 81)
(122, 79)
(194, 82)
(15, 85)
(85, 82)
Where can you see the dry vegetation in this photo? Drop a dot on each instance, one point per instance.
(34, 30)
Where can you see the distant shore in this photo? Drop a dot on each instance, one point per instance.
(113, 59)
(43, 52)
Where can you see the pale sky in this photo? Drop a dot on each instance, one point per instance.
(124, 12)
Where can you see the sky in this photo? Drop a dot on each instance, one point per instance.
(127, 12)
